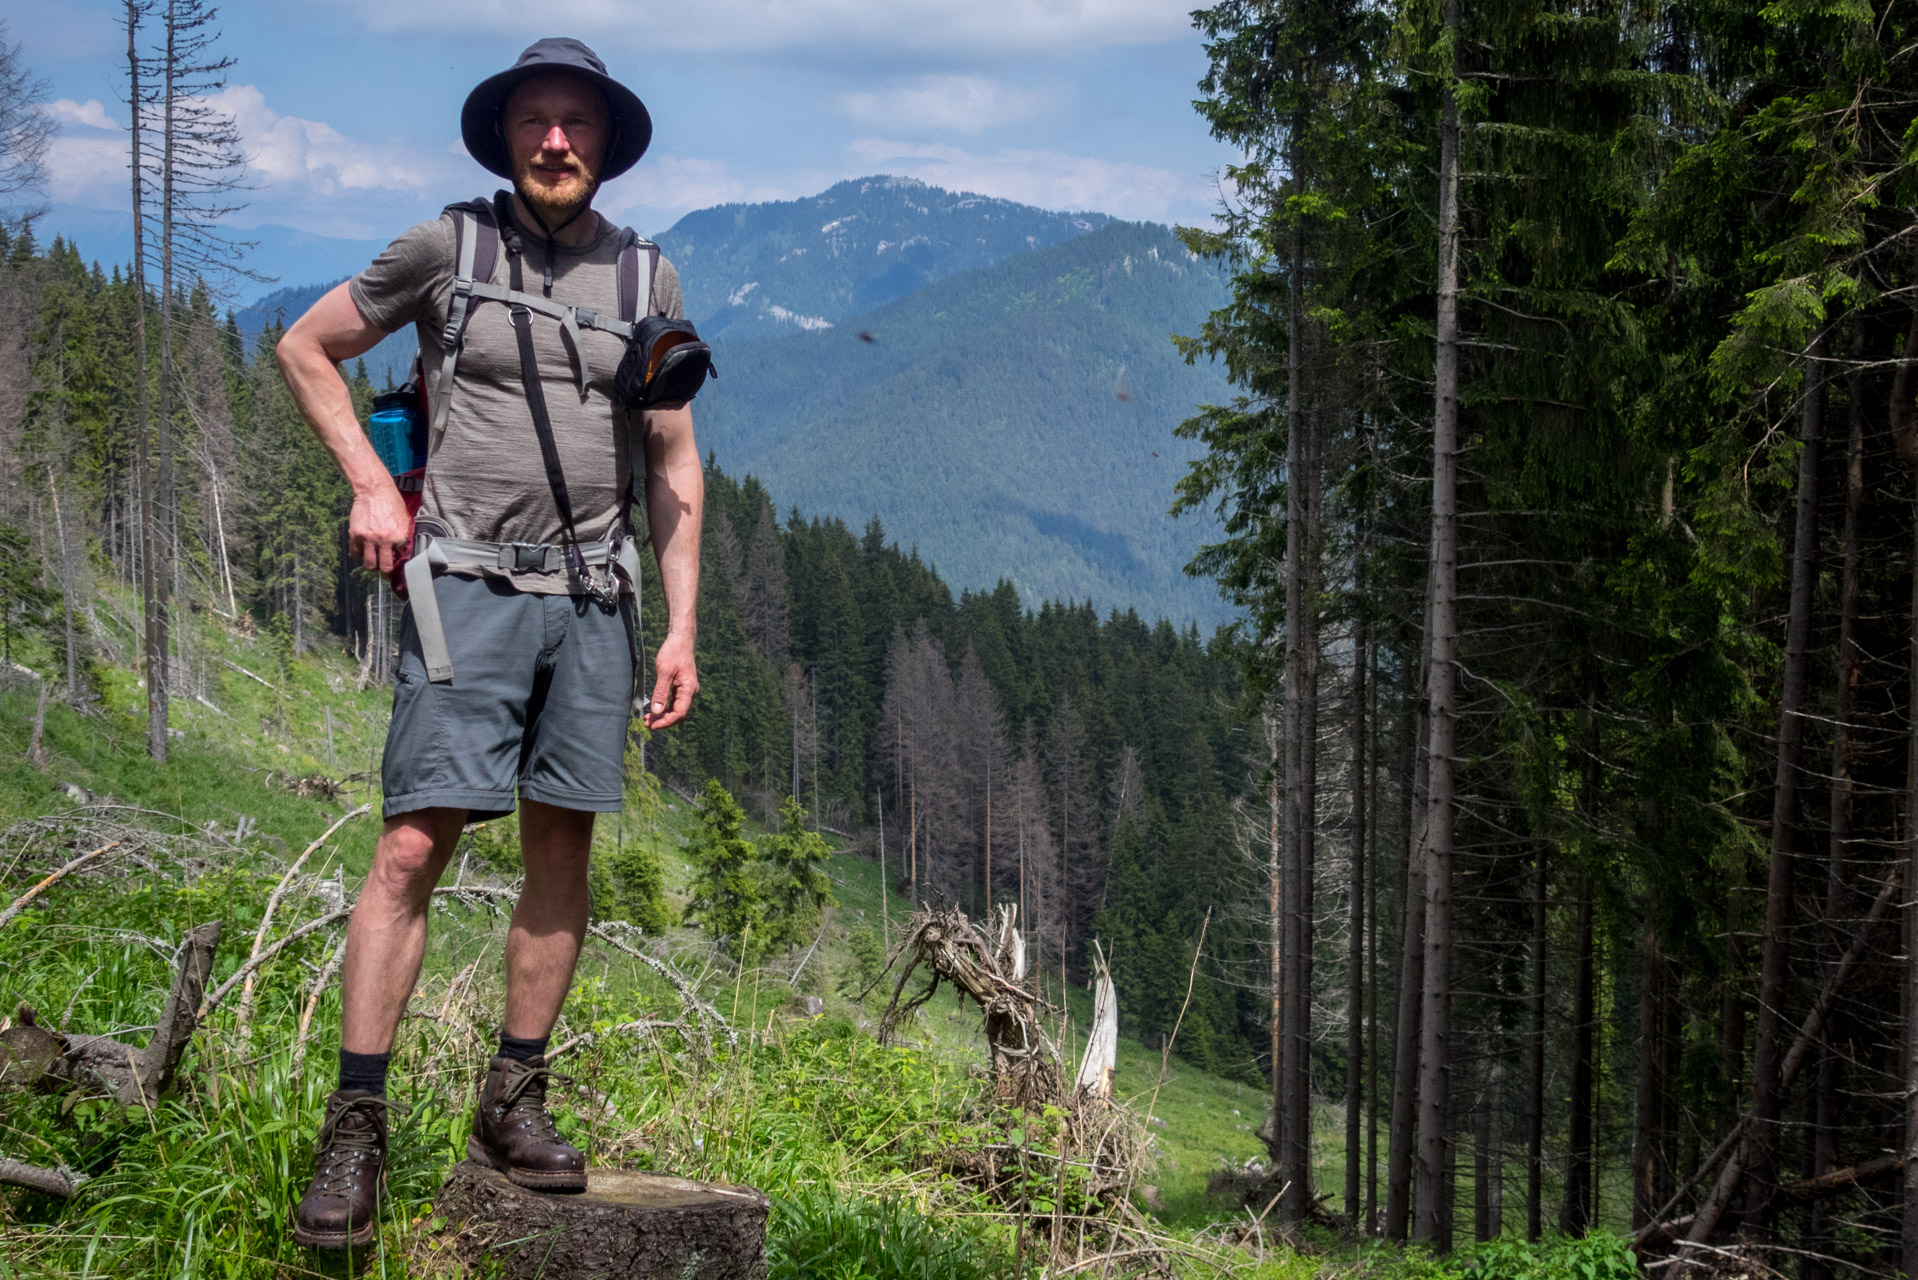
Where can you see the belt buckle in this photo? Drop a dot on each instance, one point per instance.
(528, 557)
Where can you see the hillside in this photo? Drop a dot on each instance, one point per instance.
(760, 270)
(1011, 422)
(244, 789)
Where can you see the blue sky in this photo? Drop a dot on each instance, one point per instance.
(349, 108)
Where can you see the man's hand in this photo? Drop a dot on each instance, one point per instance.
(379, 529)
(678, 682)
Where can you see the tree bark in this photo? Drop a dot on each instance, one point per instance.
(1904, 433)
(639, 1225)
(1647, 1139)
(1292, 1105)
(153, 637)
(1535, 1093)
(1819, 1240)
(1575, 1215)
(178, 1018)
(1411, 992)
(1910, 1223)
(1434, 1071)
(1372, 984)
(1488, 1148)
(1767, 1095)
(1355, 904)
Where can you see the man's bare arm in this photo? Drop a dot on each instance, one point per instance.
(675, 509)
(309, 355)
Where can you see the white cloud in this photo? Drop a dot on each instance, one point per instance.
(303, 173)
(663, 186)
(289, 155)
(89, 114)
(952, 103)
(1049, 179)
(934, 26)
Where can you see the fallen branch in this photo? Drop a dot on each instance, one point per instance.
(800, 968)
(20, 903)
(249, 675)
(161, 1057)
(245, 1017)
(687, 996)
(1706, 1219)
(331, 967)
(212, 1002)
(51, 1181)
(586, 1038)
(1835, 1180)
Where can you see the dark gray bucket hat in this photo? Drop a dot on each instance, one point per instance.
(479, 118)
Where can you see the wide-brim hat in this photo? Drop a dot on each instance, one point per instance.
(479, 118)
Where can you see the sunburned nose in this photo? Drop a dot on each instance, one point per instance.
(555, 140)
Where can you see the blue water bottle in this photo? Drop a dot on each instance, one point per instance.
(397, 429)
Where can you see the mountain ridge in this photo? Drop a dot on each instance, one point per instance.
(769, 269)
(1017, 421)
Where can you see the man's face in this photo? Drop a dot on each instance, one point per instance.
(556, 131)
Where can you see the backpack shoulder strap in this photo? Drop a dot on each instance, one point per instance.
(635, 285)
(475, 253)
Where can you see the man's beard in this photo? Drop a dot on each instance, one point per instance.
(556, 207)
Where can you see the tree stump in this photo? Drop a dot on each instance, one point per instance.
(633, 1226)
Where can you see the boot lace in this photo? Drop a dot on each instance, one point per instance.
(522, 1099)
(349, 1136)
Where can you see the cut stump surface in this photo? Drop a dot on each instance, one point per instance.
(640, 1225)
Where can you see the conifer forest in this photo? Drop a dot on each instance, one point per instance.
(1548, 817)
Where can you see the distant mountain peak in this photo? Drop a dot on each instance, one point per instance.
(761, 270)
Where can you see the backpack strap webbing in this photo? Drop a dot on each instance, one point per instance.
(476, 235)
(636, 286)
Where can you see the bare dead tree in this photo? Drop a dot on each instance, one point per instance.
(25, 130)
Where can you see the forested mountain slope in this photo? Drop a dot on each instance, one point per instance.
(386, 364)
(759, 270)
(1012, 422)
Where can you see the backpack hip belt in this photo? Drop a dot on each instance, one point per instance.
(618, 555)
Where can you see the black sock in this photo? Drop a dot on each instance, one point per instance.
(364, 1071)
(522, 1049)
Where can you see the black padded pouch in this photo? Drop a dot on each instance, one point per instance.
(665, 364)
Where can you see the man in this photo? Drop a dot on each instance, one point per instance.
(530, 696)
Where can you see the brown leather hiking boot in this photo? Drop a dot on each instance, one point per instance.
(339, 1210)
(513, 1132)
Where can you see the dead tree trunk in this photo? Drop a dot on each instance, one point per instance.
(154, 634)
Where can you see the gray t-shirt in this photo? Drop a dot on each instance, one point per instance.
(486, 481)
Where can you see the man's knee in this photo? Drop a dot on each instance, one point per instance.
(411, 855)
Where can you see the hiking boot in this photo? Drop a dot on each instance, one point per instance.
(514, 1133)
(339, 1210)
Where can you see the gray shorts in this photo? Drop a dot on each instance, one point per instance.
(538, 703)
